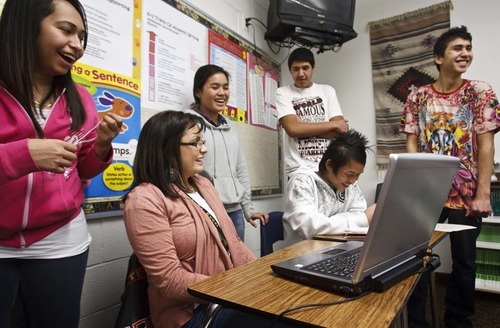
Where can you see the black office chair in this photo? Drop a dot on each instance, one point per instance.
(271, 233)
(134, 309)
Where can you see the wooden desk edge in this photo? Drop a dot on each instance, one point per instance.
(278, 256)
(247, 309)
(437, 237)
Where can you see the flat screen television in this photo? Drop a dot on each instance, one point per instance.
(313, 23)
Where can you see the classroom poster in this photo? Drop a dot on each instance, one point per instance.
(232, 58)
(173, 47)
(110, 70)
(109, 44)
(120, 95)
(263, 82)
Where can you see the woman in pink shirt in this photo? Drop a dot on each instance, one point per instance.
(177, 225)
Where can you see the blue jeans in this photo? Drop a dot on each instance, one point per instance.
(49, 290)
(197, 318)
(232, 318)
(459, 300)
(239, 222)
(228, 318)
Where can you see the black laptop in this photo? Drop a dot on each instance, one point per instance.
(411, 199)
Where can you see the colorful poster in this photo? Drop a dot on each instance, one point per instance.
(232, 58)
(118, 94)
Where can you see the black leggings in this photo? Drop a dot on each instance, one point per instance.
(49, 290)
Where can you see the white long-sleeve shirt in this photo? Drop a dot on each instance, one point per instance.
(314, 207)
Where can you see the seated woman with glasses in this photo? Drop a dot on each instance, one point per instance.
(177, 225)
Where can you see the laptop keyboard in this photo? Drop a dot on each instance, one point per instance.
(342, 265)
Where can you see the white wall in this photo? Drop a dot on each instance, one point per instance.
(349, 71)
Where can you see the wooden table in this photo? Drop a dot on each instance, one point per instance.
(255, 288)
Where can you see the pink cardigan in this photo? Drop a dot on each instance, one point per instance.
(178, 245)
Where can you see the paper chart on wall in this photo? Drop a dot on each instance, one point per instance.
(263, 81)
(109, 42)
(173, 47)
(232, 58)
(258, 113)
(263, 112)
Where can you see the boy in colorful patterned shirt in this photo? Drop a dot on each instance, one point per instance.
(455, 117)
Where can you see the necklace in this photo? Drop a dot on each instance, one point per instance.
(38, 98)
(47, 105)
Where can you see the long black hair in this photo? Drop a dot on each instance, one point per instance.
(158, 150)
(20, 25)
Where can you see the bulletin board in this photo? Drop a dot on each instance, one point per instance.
(143, 55)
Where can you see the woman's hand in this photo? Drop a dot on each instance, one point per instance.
(108, 129)
(52, 155)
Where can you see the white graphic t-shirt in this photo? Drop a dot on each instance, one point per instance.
(316, 104)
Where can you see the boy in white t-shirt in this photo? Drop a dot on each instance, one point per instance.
(310, 113)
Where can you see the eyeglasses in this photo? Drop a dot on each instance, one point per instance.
(198, 144)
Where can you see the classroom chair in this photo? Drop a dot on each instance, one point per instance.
(134, 310)
(271, 233)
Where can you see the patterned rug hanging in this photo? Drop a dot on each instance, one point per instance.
(402, 59)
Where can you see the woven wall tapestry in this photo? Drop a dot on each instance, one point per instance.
(402, 59)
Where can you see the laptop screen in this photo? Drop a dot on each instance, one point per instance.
(413, 193)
